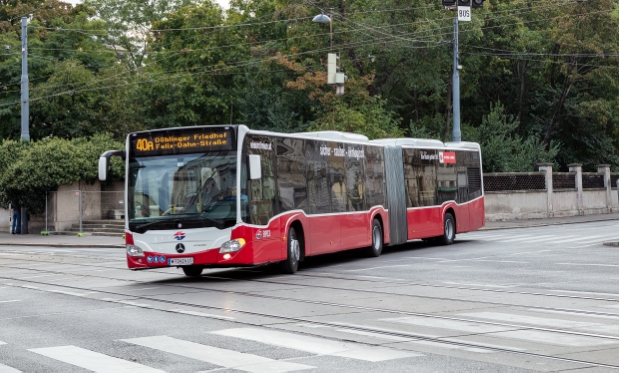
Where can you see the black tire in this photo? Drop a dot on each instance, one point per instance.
(377, 241)
(291, 264)
(192, 271)
(449, 230)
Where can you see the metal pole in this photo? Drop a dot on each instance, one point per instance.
(331, 30)
(80, 194)
(456, 135)
(46, 230)
(25, 101)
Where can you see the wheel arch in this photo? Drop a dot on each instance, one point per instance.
(298, 227)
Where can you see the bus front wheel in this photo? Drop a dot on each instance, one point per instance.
(291, 264)
(192, 271)
(377, 240)
(449, 230)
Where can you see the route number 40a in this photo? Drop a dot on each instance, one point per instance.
(464, 13)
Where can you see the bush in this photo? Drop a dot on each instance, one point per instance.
(33, 169)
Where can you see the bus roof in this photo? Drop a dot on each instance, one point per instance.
(427, 143)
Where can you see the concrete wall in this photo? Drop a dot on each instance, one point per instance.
(515, 205)
(5, 224)
(510, 205)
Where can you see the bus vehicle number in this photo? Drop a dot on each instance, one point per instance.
(144, 145)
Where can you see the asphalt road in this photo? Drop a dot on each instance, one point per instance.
(529, 299)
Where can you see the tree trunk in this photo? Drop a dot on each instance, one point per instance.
(521, 77)
(416, 105)
(565, 90)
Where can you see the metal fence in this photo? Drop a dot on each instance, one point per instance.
(564, 180)
(592, 180)
(495, 182)
(69, 210)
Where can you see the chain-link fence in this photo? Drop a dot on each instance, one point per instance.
(71, 210)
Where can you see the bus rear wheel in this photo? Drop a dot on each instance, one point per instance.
(192, 271)
(377, 240)
(291, 264)
(449, 230)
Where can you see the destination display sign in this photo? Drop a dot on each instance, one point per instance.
(186, 140)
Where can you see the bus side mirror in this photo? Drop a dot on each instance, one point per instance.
(104, 162)
(255, 170)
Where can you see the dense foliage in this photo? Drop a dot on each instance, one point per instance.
(30, 170)
(538, 84)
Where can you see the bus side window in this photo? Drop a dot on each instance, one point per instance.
(473, 171)
(291, 175)
(374, 176)
(355, 183)
(262, 197)
(337, 180)
(410, 178)
(318, 190)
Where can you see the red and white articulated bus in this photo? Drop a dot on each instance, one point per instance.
(228, 196)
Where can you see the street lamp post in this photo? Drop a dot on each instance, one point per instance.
(25, 108)
(321, 18)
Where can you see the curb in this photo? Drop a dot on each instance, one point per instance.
(65, 245)
(486, 228)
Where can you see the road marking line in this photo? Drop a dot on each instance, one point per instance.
(589, 264)
(551, 338)
(91, 360)
(464, 326)
(8, 369)
(367, 269)
(375, 335)
(531, 320)
(590, 238)
(583, 313)
(534, 238)
(316, 345)
(10, 301)
(216, 356)
(196, 313)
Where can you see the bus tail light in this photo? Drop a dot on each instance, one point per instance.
(232, 246)
(135, 251)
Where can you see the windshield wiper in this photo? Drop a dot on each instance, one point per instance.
(217, 223)
(140, 228)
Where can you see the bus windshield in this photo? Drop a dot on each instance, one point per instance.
(182, 191)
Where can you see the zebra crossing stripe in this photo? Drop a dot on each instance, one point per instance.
(8, 369)
(217, 356)
(316, 345)
(93, 361)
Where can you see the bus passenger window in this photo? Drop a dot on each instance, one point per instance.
(355, 184)
(374, 176)
(336, 177)
(262, 191)
(291, 175)
(318, 190)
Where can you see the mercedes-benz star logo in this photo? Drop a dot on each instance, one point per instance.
(180, 248)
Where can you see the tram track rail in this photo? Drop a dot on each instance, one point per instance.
(289, 319)
(331, 304)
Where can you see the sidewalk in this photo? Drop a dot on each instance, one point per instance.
(86, 241)
(117, 242)
(491, 225)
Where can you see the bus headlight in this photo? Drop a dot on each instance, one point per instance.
(135, 251)
(232, 246)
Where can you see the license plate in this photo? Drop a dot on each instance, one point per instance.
(180, 261)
